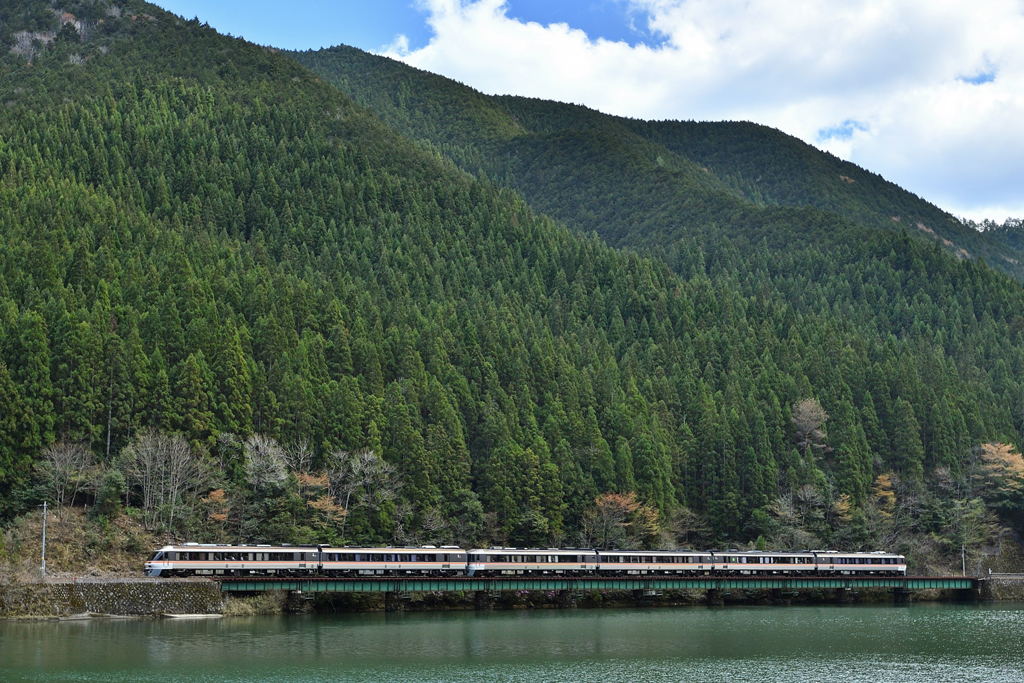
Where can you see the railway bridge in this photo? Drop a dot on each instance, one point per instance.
(568, 586)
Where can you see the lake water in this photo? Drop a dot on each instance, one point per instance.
(924, 642)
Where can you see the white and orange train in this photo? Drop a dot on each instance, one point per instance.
(264, 560)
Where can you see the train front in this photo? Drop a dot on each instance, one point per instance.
(159, 563)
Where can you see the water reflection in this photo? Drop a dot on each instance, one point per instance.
(921, 642)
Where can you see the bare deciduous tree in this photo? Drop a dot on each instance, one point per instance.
(63, 468)
(361, 479)
(688, 528)
(788, 527)
(165, 470)
(619, 520)
(300, 456)
(808, 418)
(266, 463)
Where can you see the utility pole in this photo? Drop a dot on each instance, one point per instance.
(44, 541)
(963, 559)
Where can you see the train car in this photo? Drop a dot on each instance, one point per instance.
(429, 560)
(192, 559)
(531, 561)
(634, 562)
(755, 562)
(205, 559)
(876, 563)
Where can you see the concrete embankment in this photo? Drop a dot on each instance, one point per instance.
(111, 597)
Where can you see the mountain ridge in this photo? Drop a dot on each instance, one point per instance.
(763, 165)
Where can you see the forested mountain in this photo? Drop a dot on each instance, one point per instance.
(237, 303)
(645, 182)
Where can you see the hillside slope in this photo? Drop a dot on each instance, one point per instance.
(206, 251)
(639, 182)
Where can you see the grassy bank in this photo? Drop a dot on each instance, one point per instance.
(78, 544)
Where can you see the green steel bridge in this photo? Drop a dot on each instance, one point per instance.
(414, 584)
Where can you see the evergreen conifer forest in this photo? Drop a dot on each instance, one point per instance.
(245, 301)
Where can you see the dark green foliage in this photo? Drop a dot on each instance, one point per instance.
(197, 235)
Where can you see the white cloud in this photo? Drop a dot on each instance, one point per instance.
(930, 94)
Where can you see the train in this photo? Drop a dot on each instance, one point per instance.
(202, 559)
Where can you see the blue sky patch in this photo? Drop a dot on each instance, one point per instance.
(843, 131)
(609, 19)
(311, 24)
(978, 79)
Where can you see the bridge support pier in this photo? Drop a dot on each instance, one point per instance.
(963, 595)
(714, 598)
(482, 600)
(779, 599)
(901, 596)
(566, 599)
(393, 602)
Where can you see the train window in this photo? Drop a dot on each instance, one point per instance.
(158, 555)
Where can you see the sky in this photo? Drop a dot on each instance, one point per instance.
(927, 93)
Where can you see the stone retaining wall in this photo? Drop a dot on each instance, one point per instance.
(1008, 590)
(127, 598)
